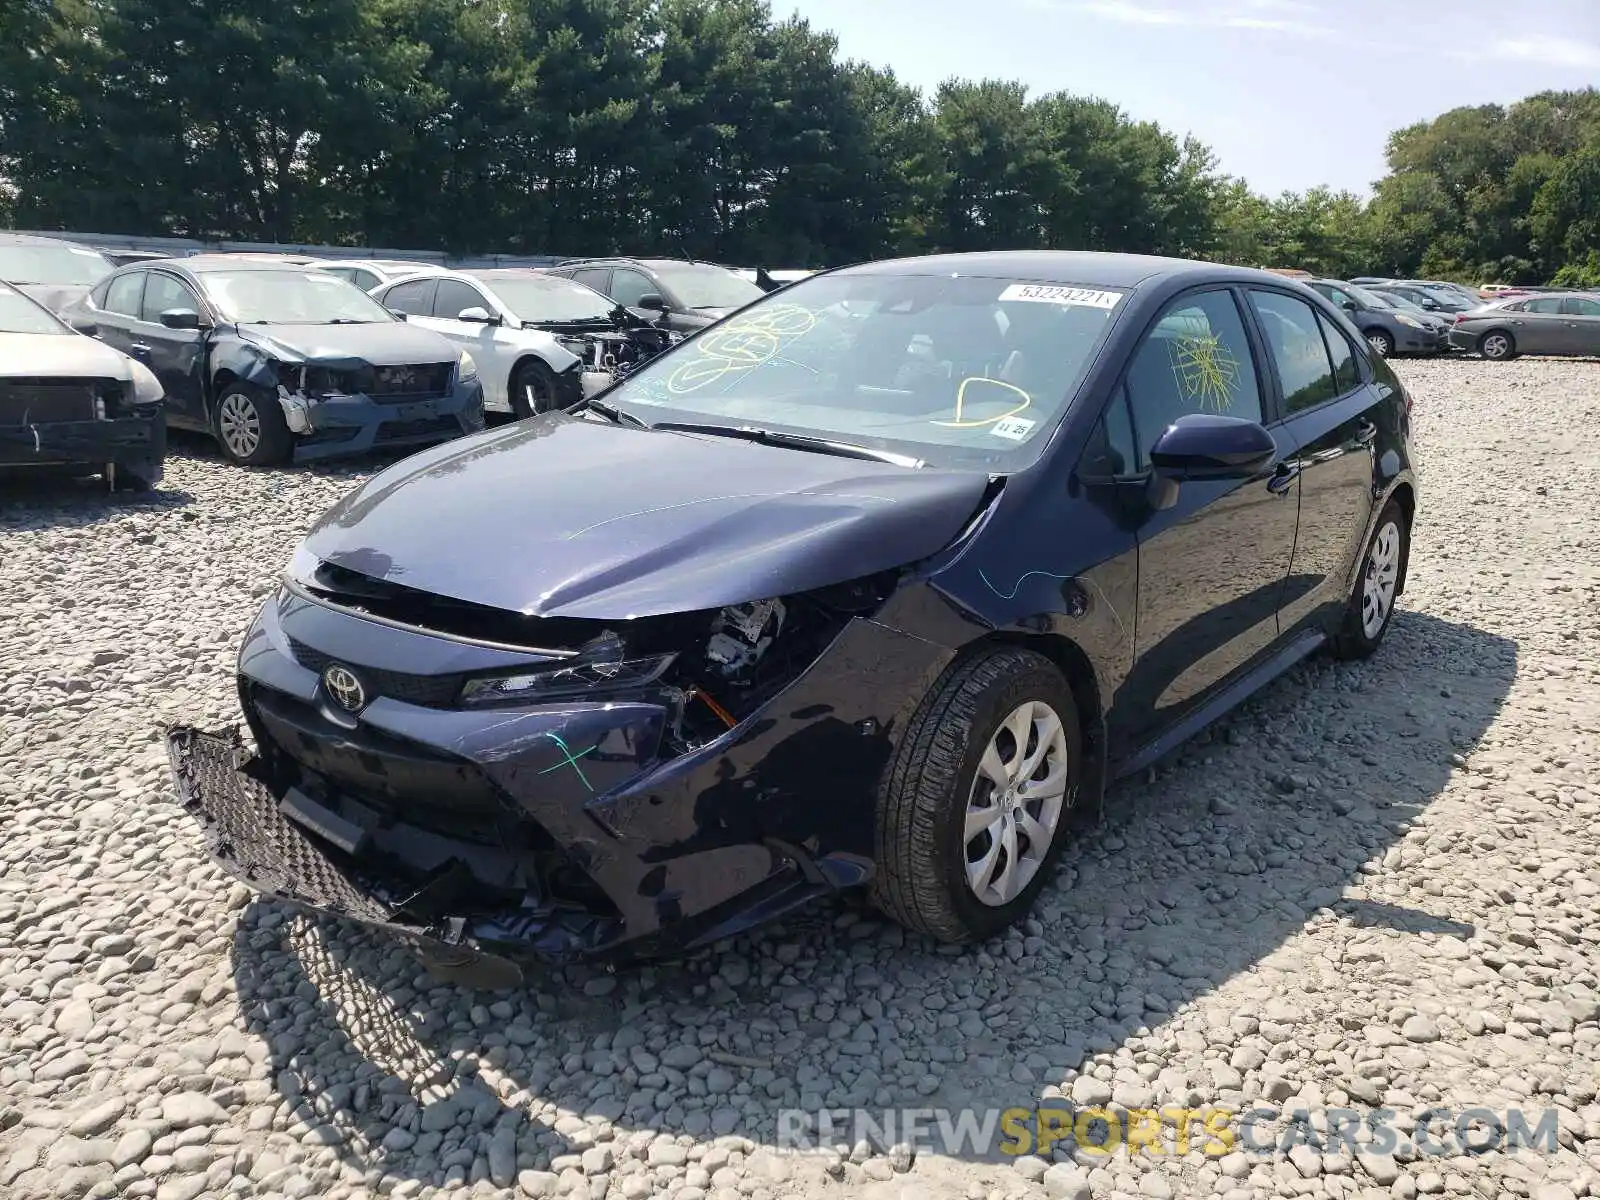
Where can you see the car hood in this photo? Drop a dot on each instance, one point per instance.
(566, 516)
(60, 356)
(54, 296)
(378, 344)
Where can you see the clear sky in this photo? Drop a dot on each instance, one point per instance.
(1288, 93)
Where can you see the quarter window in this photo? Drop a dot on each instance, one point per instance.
(415, 297)
(456, 297)
(1294, 340)
(598, 278)
(1195, 360)
(123, 293)
(1112, 448)
(163, 293)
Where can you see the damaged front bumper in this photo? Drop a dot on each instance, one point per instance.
(136, 443)
(335, 425)
(550, 832)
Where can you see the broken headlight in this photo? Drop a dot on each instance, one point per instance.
(599, 669)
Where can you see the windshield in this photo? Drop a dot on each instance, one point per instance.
(289, 297)
(18, 314)
(61, 265)
(1396, 300)
(956, 371)
(549, 299)
(700, 285)
(1370, 299)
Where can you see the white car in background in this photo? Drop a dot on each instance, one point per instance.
(524, 328)
(370, 273)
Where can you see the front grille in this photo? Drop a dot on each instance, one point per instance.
(429, 691)
(41, 401)
(394, 431)
(393, 385)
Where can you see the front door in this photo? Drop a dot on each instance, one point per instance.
(1581, 318)
(1537, 325)
(1211, 568)
(177, 356)
(1330, 420)
(492, 346)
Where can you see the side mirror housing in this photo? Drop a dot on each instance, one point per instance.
(654, 301)
(477, 314)
(1207, 446)
(399, 314)
(87, 328)
(1349, 306)
(181, 318)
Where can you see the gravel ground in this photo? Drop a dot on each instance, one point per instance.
(1374, 885)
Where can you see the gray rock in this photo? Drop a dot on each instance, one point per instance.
(1063, 1181)
(186, 1109)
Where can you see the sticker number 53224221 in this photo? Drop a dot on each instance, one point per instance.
(1046, 293)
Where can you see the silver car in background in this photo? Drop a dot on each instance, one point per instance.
(52, 271)
(370, 273)
(1556, 323)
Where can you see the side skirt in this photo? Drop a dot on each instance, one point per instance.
(1302, 646)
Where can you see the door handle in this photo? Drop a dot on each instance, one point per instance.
(1366, 433)
(1283, 478)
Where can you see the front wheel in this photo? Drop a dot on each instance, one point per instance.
(250, 427)
(1382, 344)
(1371, 606)
(972, 807)
(532, 389)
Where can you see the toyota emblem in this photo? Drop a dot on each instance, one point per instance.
(344, 688)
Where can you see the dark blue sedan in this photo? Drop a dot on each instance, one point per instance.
(877, 583)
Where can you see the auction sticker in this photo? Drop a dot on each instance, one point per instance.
(1012, 428)
(1045, 293)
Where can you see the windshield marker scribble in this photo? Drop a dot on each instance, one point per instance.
(961, 396)
(741, 344)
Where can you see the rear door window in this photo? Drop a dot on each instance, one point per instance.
(598, 278)
(1294, 340)
(415, 297)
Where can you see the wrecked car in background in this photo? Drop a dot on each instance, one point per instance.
(278, 361)
(875, 582)
(56, 273)
(541, 342)
(69, 404)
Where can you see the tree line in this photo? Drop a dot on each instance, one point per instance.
(704, 127)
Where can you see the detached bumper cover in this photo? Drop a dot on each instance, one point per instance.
(137, 442)
(348, 425)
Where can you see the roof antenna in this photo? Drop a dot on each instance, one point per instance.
(682, 251)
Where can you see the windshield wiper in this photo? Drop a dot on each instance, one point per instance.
(795, 441)
(350, 321)
(615, 415)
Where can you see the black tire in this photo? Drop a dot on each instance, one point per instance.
(1497, 345)
(532, 389)
(273, 442)
(1354, 640)
(921, 853)
(1381, 341)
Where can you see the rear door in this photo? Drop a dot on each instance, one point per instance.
(1581, 317)
(1329, 416)
(177, 356)
(1212, 567)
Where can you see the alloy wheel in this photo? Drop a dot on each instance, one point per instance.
(239, 424)
(1378, 583)
(1495, 346)
(1380, 344)
(1018, 795)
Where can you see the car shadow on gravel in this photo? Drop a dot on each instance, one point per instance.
(38, 501)
(1201, 871)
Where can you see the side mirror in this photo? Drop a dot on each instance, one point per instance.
(181, 318)
(87, 328)
(1206, 446)
(477, 314)
(653, 301)
(399, 314)
(1349, 306)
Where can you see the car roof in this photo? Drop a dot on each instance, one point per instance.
(1064, 266)
(201, 264)
(29, 239)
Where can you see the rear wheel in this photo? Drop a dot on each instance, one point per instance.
(532, 389)
(1497, 345)
(250, 426)
(1371, 606)
(1382, 344)
(972, 808)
